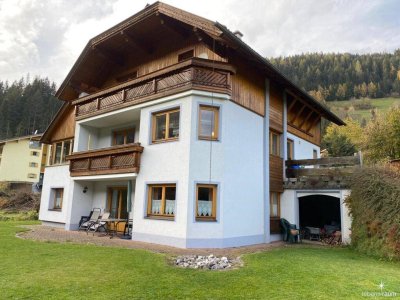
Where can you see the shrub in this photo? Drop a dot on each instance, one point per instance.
(374, 204)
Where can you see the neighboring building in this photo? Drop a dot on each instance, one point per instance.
(22, 159)
(172, 118)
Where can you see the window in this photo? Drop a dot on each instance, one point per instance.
(35, 144)
(123, 137)
(58, 195)
(274, 143)
(290, 149)
(275, 205)
(166, 126)
(161, 200)
(32, 175)
(315, 154)
(208, 122)
(34, 153)
(206, 202)
(33, 165)
(60, 150)
(185, 55)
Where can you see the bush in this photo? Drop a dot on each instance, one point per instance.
(22, 216)
(375, 207)
(362, 104)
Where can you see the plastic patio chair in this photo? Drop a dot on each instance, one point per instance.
(290, 233)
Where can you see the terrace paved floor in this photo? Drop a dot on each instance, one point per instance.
(46, 233)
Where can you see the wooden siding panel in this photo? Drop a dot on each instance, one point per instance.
(161, 60)
(275, 173)
(66, 127)
(276, 108)
(314, 135)
(248, 88)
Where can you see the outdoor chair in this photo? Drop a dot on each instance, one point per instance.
(86, 221)
(100, 223)
(290, 233)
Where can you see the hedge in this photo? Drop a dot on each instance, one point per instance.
(374, 204)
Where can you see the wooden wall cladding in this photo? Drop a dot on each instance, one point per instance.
(276, 108)
(160, 60)
(65, 129)
(275, 173)
(248, 88)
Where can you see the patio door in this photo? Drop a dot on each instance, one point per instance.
(117, 205)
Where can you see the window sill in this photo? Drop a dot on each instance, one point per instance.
(165, 218)
(164, 141)
(203, 138)
(205, 219)
(55, 209)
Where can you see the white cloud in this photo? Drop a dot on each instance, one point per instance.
(46, 37)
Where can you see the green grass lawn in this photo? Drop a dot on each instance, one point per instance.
(382, 105)
(37, 270)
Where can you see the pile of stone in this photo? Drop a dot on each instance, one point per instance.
(210, 262)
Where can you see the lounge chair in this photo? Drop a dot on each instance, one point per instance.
(86, 221)
(100, 223)
(290, 233)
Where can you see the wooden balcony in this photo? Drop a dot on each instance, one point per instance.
(113, 160)
(194, 73)
(324, 173)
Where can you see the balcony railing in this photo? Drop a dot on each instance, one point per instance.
(191, 74)
(329, 172)
(113, 160)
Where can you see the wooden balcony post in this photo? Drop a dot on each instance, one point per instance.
(89, 163)
(98, 103)
(123, 95)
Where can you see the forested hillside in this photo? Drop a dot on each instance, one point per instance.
(344, 76)
(26, 106)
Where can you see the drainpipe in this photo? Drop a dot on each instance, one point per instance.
(284, 135)
(267, 237)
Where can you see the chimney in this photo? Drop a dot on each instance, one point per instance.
(238, 34)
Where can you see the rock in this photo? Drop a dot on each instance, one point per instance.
(209, 262)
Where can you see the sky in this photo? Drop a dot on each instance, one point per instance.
(45, 37)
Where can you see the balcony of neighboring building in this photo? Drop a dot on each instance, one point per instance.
(107, 145)
(193, 73)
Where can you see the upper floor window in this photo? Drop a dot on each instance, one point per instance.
(34, 144)
(274, 143)
(208, 122)
(32, 175)
(315, 154)
(290, 149)
(34, 153)
(165, 125)
(60, 150)
(123, 137)
(33, 164)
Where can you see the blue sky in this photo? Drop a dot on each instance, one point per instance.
(45, 37)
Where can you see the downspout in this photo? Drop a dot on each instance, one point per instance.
(267, 237)
(284, 135)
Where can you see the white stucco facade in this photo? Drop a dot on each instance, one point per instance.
(235, 163)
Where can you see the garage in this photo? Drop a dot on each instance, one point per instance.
(319, 214)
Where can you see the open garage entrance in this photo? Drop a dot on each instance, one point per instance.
(320, 211)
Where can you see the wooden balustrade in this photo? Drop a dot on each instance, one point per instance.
(329, 172)
(191, 74)
(113, 160)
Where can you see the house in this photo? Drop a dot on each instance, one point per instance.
(171, 120)
(22, 159)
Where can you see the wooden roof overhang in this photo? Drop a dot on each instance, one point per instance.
(273, 73)
(136, 37)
